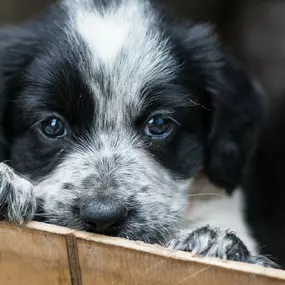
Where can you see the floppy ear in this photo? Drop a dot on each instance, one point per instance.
(235, 106)
(236, 119)
(17, 50)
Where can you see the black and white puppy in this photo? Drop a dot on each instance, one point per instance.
(110, 112)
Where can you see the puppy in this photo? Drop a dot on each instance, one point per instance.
(113, 114)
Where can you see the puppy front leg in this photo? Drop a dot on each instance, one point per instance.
(17, 199)
(208, 241)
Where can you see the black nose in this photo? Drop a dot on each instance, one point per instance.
(102, 215)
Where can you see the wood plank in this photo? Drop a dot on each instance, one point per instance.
(107, 260)
(32, 257)
(42, 254)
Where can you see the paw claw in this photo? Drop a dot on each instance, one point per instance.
(212, 242)
(263, 261)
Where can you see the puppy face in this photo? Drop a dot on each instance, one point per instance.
(112, 116)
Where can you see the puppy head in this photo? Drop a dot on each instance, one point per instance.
(112, 109)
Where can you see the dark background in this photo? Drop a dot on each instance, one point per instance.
(254, 28)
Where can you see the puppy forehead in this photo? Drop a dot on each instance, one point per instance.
(104, 32)
(125, 46)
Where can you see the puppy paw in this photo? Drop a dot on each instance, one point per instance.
(17, 199)
(213, 242)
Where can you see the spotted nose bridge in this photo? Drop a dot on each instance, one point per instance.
(100, 183)
(111, 164)
(100, 210)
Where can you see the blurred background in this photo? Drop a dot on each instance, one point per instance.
(255, 29)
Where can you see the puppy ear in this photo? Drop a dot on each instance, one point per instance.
(235, 107)
(18, 48)
(236, 119)
(17, 51)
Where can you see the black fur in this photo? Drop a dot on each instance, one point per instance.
(265, 185)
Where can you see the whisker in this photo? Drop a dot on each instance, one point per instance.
(205, 194)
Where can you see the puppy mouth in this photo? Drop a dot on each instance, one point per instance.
(121, 230)
(127, 229)
(114, 231)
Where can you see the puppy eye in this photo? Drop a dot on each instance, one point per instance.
(53, 127)
(159, 127)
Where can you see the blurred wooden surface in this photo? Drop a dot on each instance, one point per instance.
(42, 254)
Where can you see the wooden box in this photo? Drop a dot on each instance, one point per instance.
(41, 254)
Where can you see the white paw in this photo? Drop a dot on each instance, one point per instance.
(17, 199)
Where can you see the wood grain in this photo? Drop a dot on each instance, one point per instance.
(107, 260)
(42, 254)
(32, 257)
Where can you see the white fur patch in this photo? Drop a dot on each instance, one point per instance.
(104, 34)
(221, 211)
